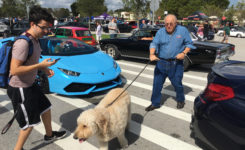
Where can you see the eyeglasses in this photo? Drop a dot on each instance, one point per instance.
(169, 24)
(44, 28)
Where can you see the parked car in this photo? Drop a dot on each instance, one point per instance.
(17, 29)
(235, 32)
(82, 69)
(133, 46)
(218, 122)
(79, 33)
(77, 24)
(4, 29)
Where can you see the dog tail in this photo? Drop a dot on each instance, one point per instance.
(111, 96)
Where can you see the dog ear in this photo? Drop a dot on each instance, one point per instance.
(103, 123)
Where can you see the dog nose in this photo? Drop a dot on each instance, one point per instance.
(75, 137)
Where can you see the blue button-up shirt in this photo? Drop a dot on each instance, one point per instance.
(168, 46)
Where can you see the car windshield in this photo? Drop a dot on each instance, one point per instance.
(81, 33)
(65, 46)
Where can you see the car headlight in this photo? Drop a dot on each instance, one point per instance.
(114, 64)
(69, 72)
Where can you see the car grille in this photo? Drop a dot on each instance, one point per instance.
(82, 87)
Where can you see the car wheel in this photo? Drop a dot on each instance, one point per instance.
(42, 81)
(112, 51)
(187, 63)
(239, 35)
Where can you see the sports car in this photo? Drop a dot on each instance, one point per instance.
(80, 68)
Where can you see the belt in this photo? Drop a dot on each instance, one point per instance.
(170, 59)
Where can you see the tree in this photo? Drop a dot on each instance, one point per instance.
(240, 11)
(74, 9)
(218, 3)
(61, 12)
(230, 13)
(88, 8)
(138, 7)
(212, 10)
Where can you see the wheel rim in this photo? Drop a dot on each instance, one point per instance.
(111, 51)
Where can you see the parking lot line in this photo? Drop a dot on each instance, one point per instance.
(149, 87)
(145, 132)
(167, 80)
(66, 143)
(152, 69)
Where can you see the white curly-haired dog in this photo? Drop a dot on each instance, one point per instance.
(106, 120)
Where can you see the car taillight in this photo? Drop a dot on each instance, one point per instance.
(217, 92)
(233, 48)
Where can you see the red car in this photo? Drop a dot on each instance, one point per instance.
(79, 33)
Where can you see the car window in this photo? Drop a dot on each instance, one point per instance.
(143, 34)
(68, 32)
(81, 33)
(60, 32)
(65, 47)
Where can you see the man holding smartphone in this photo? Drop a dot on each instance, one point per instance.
(26, 96)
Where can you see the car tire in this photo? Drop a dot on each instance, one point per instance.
(112, 51)
(239, 35)
(187, 63)
(42, 81)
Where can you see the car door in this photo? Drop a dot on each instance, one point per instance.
(137, 47)
(60, 33)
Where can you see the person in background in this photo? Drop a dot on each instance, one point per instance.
(200, 31)
(26, 96)
(143, 25)
(205, 30)
(172, 43)
(226, 33)
(98, 31)
(113, 29)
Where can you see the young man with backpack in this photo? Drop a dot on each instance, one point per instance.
(26, 96)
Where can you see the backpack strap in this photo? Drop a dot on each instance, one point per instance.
(26, 37)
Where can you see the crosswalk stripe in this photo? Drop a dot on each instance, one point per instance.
(165, 91)
(151, 77)
(66, 143)
(164, 109)
(152, 69)
(160, 139)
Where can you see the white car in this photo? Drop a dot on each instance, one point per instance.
(235, 31)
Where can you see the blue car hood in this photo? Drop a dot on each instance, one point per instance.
(86, 63)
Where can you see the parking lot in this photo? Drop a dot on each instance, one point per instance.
(165, 128)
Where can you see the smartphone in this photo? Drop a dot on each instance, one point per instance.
(57, 59)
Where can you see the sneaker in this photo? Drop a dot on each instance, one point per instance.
(55, 135)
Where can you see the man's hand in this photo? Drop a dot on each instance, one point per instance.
(47, 63)
(48, 72)
(153, 57)
(180, 56)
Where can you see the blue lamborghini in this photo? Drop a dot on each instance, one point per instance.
(80, 69)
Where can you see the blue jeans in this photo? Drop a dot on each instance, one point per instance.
(174, 71)
(112, 36)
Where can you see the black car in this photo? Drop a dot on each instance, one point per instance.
(18, 28)
(78, 24)
(218, 121)
(123, 28)
(133, 46)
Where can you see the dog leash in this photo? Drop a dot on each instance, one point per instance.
(9, 124)
(129, 84)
